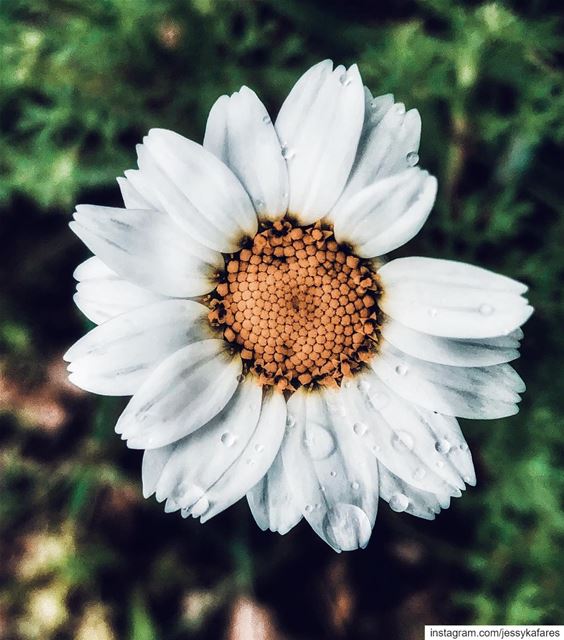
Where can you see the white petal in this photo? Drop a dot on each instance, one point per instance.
(92, 269)
(201, 459)
(215, 137)
(388, 144)
(319, 127)
(467, 392)
(254, 460)
(101, 294)
(271, 501)
(480, 352)
(241, 134)
(404, 497)
(452, 299)
(386, 214)
(147, 248)
(154, 461)
(183, 393)
(132, 199)
(116, 357)
(332, 478)
(220, 208)
(405, 438)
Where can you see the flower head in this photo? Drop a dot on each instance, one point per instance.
(242, 300)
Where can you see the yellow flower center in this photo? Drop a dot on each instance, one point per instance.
(300, 307)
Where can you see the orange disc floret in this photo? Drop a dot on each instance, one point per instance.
(300, 307)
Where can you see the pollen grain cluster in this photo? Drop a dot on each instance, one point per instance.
(301, 309)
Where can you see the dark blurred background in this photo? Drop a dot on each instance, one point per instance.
(82, 555)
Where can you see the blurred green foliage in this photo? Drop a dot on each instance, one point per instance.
(80, 84)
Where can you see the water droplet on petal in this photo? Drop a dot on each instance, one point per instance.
(266, 119)
(347, 527)
(463, 446)
(345, 80)
(259, 204)
(401, 370)
(412, 158)
(443, 446)
(228, 439)
(290, 421)
(308, 508)
(402, 441)
(419, 473)
(259, 448)
(240, 378)
(486, 309)
(360, 428)
(319, 441)
(400, 108)
(333, 474)
(399, 502)
(376, 448)
(200, 507)
(355, 486)
(439, 464)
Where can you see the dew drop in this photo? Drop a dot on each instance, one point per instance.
(200, 507)
(402, 441)
(308, 508)
(320, 442)
(333, 474)
(486, 309)
(401, 370)
(228, 439)
(412, 158)
(345, 80)
(347, 527)
(376, 448)
(442, 446)
(287, 153)
(240, 378)
(259, 204)
(400, 108)
(439, 464)
(266, 119)
(259, 448)
(360, 428)
(419, 473)
(399, 502)
(290, 421)
(463, 446)
(355, 486)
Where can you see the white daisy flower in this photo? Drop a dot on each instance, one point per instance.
(242, 300)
